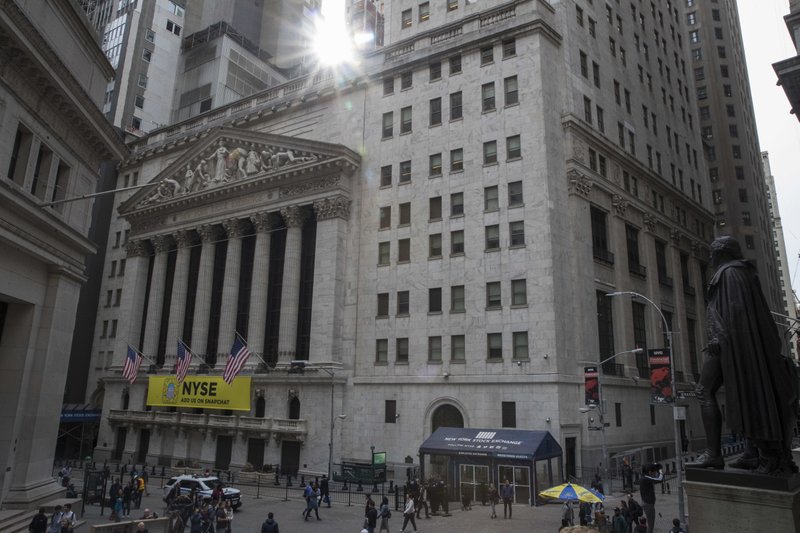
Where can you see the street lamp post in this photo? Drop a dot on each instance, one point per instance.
(675, 429)
(342, 417)
(602, 413)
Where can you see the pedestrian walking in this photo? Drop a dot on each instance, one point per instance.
(422, 500)
(408, 514)
(313, 503)
(270, 525)
(651, 474)
(324, 488)
(620, 524)
(507, 493)
(38, 522)
(55, 520)
(676, 527)
(371, 520)
(385, 514)
(494, 498)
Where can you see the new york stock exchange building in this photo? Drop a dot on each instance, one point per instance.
(401, 250)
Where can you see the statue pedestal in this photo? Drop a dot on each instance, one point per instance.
(742, 502)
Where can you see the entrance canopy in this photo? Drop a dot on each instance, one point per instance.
(500, 443)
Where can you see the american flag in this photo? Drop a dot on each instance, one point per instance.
(184, 360)
(236, 359)
(132, 363)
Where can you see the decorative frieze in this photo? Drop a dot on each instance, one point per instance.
(650, 223)
(233, 228)
(675, 235)
(619, 204)
(183, 238)
(207, 233)
(294, 216)
(136, 248)
(332, 207)
(579, 183)
(261, 221)
(162, 243)
(310, 186)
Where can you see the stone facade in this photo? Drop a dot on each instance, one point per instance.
(459, 260)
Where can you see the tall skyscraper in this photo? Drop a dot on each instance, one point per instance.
(434, 234)
(728, 128)
(788, 70)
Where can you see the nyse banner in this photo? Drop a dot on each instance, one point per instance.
(207, 392)
(660, 377)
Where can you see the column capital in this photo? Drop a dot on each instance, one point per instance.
(136, 248)
(161, 243)
(294, 216)
(233, 227)
(183, 238)
(261, 221)
(207, 232)
(332, 207)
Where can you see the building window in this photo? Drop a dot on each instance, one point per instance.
(737, 151)
(601, 123)
(405, 120)
(381, 350)
(490, 152)
(386, 176)
(600, 236)
(139, 101)
(509, 48)
(492, 237)
(405, 19)
(384, 249)
(632, 241)
(173, 28)
(618, 414)
(694, 36)
(746, 219)
(494, 346)
(457, 204)
(435, 165)
(457, 299)
(587, 109)
(406, 80)
(401, 355)
(405, 214)
(661, 263)
(511, 92)
(640, 338)
(519, 292)
(435, 349)
(584, 60)
(718, 33)
(605, 326)
(487, 55)
(435, 300)
(435, 245)
(455, 65)
(457, 348)
(436, 111)
(388, 86)
(520, 340)
(383, 305)
(452, 5)
(456, 160)
(457, 242)
(509, 414)
(455, 106)
(487, 97)
(402, 303)
(515, 194)
(404, 250)
(513, 147)
(405, 172)
(435, 71)
(517, 233)
(424, 11)
(388, 121)
(493, 295)
(147, 54)
(142, 81)
(390, 412)
(150, 36)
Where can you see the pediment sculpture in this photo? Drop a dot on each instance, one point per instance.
(225, 164)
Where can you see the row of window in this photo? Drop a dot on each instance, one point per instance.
(457, 348)
(423, 13)
(494, 298)
(456, 109)
(109, 329)
(491, 202)
(51, 175)
(113, 296)
(516, 239)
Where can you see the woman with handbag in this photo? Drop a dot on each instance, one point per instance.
(385, 514)
(408, 514)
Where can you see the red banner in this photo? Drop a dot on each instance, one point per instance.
(591, 385)
(660, 377)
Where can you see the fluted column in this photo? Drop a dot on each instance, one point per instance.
(294, 216)
(327, 306)
(202, 301)
(230, 285)
(161, 246)
(180, 285)
(132, 300)
(258, 291)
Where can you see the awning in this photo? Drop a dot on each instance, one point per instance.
(497, 443)
(79, 413)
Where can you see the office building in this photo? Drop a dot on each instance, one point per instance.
(788, 70)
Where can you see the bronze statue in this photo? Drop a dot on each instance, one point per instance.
(744, 354)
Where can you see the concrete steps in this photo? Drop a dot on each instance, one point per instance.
(17, 520)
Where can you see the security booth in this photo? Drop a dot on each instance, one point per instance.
(467, 460)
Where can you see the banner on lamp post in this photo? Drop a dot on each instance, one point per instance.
(591, 386)
(660, 377)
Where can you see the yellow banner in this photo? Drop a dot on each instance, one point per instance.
(207, 392)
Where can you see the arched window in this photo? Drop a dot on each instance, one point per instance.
(294, 409)
(446, 416)
(126, 399)
(260, 407)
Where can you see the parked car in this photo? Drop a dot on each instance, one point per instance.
(204, 486)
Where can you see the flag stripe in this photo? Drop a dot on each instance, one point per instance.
(133, 360)
(236, 359)
(184, 356)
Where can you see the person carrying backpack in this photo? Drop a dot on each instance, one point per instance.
(385, 514)
(38, 522)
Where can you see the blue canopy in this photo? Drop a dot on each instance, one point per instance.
(501, 443)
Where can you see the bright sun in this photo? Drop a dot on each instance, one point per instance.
(333, 43)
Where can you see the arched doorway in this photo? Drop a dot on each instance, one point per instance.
(446, 415)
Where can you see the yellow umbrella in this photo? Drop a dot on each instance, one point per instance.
(568, 491)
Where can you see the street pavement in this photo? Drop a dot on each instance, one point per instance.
(341, 518)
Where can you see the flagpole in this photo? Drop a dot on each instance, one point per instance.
(144, 356)
(251, 353)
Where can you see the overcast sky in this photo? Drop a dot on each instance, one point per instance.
(767, 40)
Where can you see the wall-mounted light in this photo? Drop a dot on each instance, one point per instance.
(546, 356)
(547, 419)
(397, 416)
(446, 375)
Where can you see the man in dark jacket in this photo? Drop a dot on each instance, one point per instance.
(744, 353)
(651, 474)
(324, 488)
(269, 525)
(38, 522)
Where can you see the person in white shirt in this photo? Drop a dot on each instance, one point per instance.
(408, 514)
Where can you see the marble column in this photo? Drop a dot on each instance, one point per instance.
(327, 307)
(152, 329)
(131, 308)
(202, 301)
(180, 286)
(294, 216)
(230, 286)
(258, 292)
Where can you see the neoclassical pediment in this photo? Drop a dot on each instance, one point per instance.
(232, 161)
